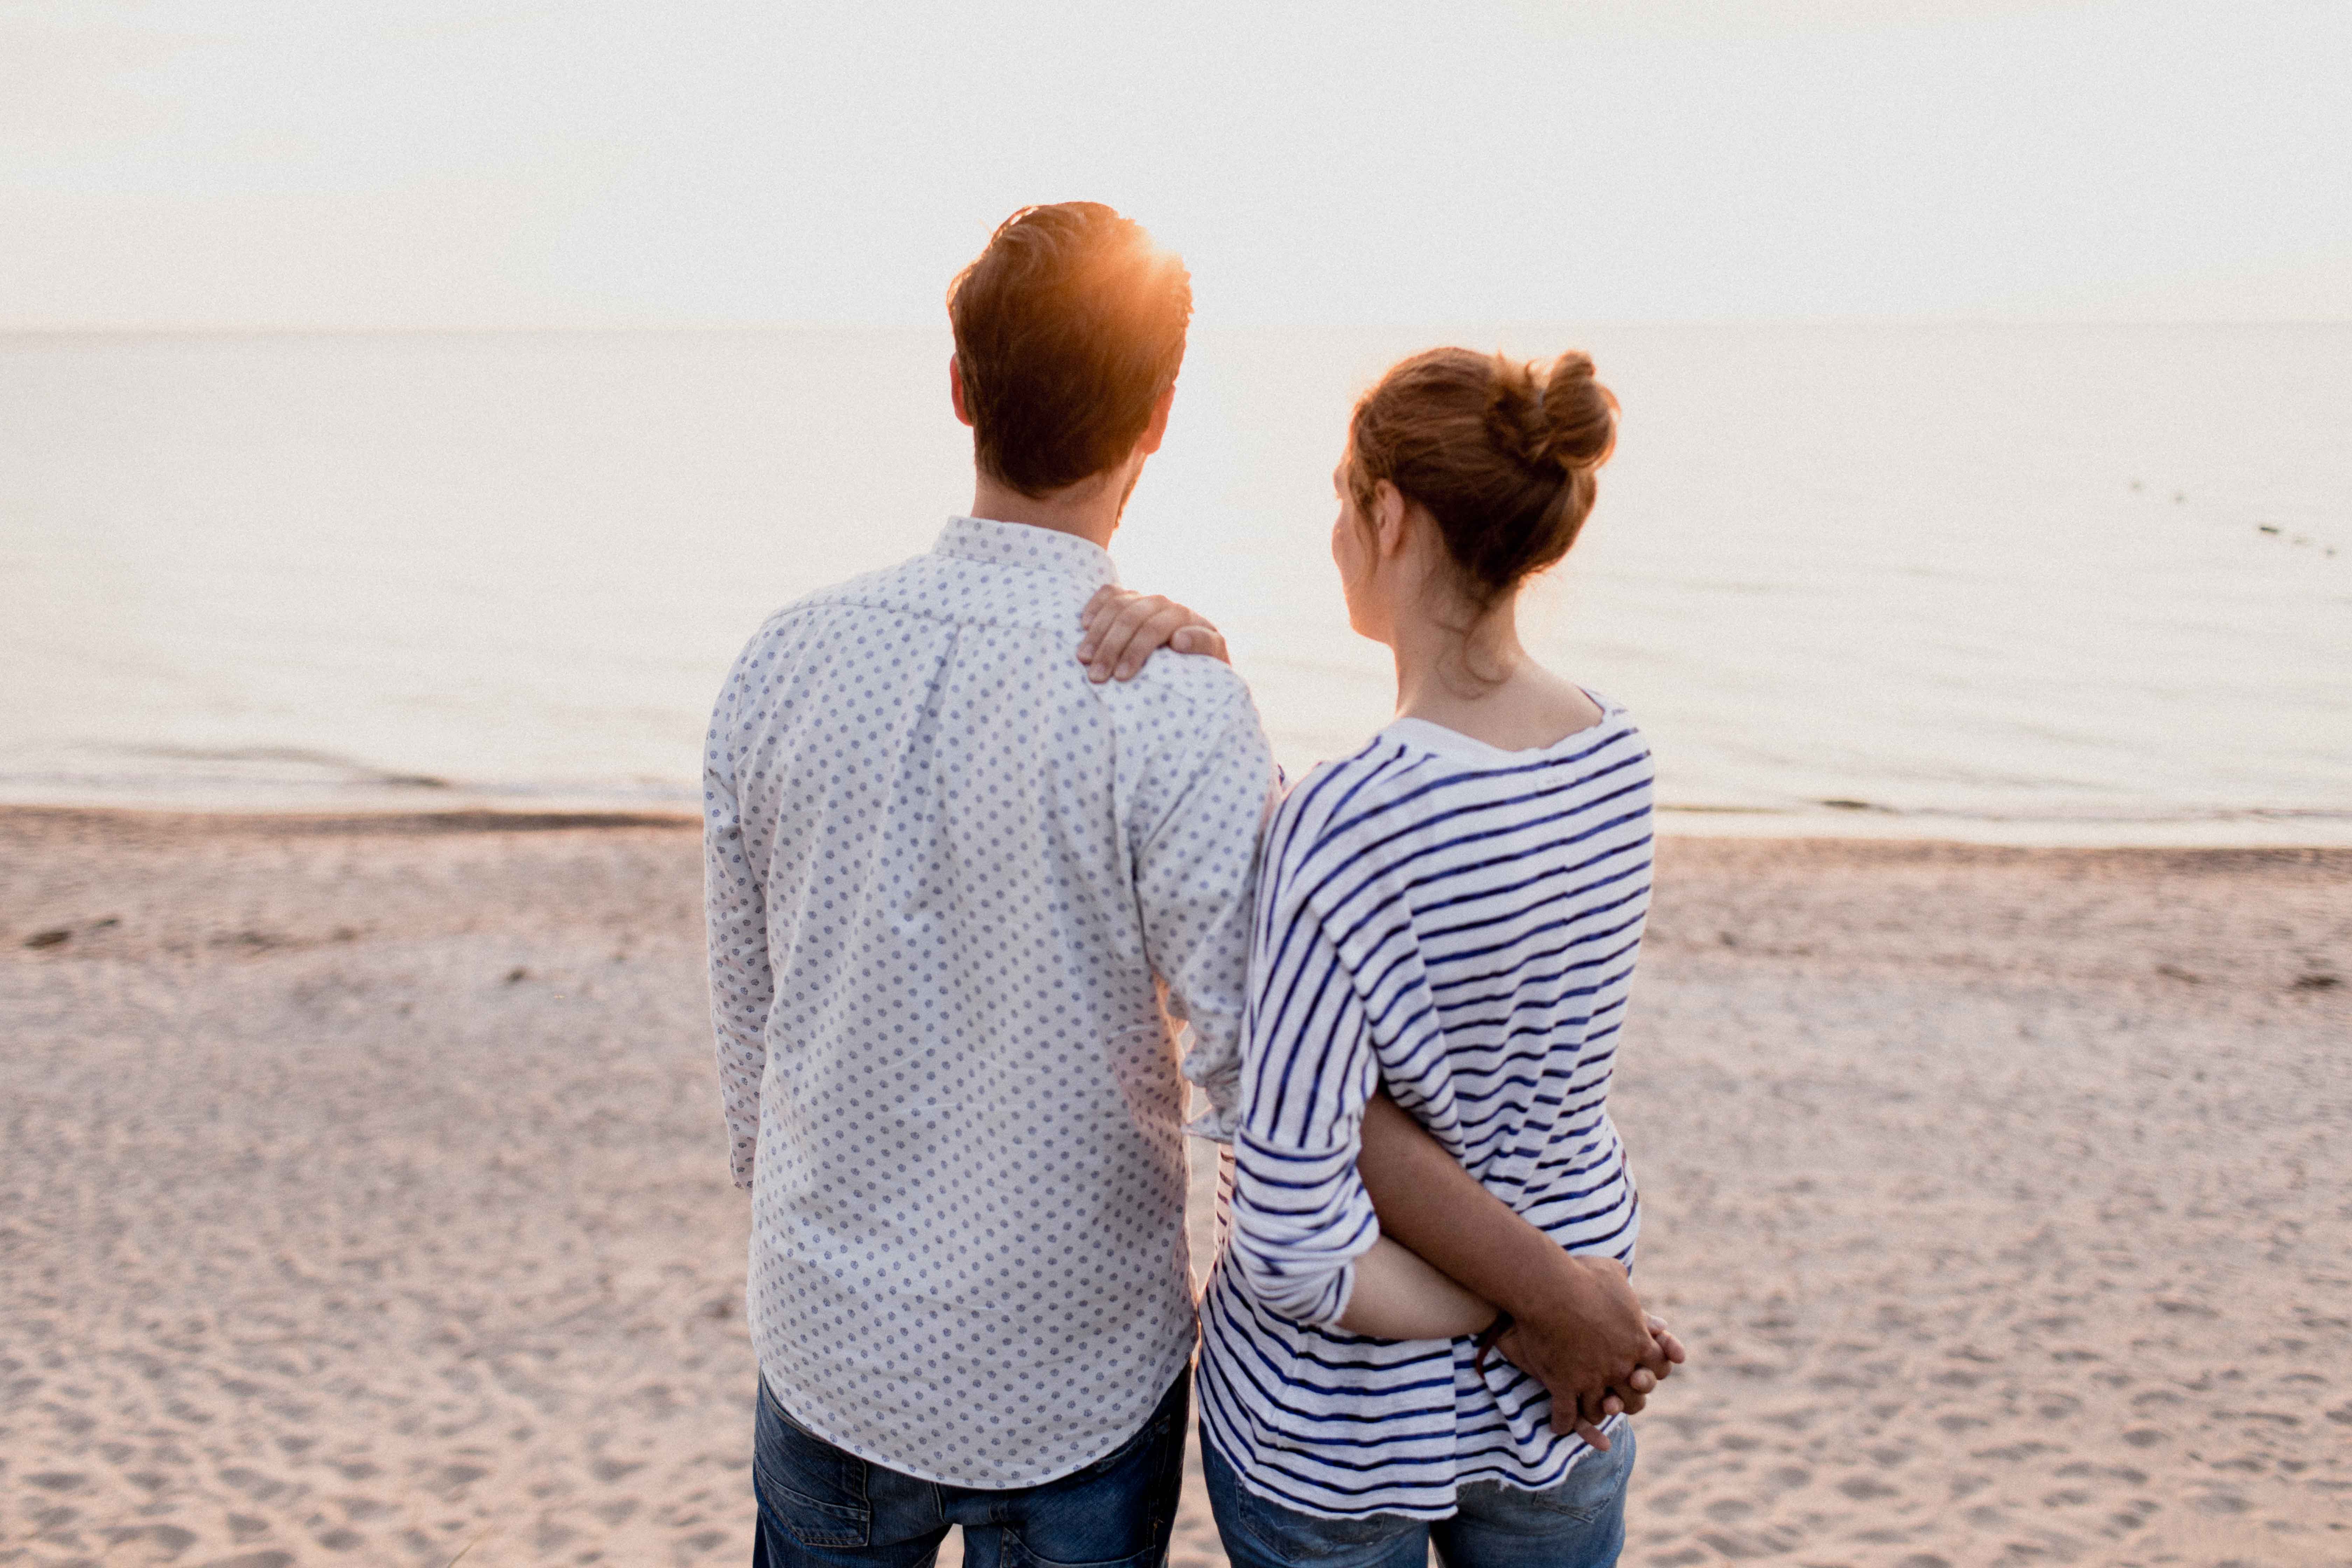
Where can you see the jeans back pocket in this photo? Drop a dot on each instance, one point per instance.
(1596, 1481)
(812, 1489)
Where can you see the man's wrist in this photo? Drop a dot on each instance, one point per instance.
(1558, 1289)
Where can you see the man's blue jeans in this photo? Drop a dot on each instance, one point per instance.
(1580, 1524)
(821, 1505)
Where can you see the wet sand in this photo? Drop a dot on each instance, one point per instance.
(364, 1199)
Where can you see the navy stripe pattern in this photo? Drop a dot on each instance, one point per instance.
(1460, 925)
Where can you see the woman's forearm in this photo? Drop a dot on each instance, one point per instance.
(1396, 1296)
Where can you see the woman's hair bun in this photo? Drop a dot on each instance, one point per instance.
(1580, 414)
(1558, 417)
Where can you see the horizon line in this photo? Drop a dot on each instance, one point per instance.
(652, 329)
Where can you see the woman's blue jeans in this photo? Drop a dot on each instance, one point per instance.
(1580, 1524)
(824, 1507)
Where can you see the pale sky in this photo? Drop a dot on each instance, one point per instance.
(235, 163)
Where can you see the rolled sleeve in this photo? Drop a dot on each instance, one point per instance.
(1300, 1214)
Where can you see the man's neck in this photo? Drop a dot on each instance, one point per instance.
(1088, 510)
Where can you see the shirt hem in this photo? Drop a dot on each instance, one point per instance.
(1159, 1384)
(1241, 1469)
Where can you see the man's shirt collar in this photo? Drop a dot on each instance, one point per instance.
(1028, 547)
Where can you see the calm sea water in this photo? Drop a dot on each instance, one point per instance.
(2002, 582)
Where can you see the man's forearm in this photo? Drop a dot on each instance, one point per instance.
(1581, 1331)
(1440, 1211)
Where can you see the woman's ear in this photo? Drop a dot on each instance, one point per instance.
(1388, 519)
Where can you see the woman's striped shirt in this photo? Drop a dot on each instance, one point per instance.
(1459, 924)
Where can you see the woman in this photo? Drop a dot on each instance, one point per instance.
(1452, 912)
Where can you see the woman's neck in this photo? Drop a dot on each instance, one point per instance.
(1482, 683)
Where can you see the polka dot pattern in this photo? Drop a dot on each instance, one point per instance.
(960, 898)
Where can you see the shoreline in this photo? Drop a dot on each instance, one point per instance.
(2292, 833)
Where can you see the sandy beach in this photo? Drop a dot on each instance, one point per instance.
(364, 1199)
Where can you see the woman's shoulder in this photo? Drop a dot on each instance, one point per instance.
(1320, 799)
(1315, 849)
(1345, 810)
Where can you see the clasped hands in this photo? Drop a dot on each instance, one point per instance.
(1593, 1346)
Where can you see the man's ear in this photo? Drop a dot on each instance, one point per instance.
(1388, 519)
(1157, 430)
(955, 389)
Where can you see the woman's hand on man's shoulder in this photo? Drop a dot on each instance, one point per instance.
(1124, 628)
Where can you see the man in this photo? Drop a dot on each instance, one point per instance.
(960, 894)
